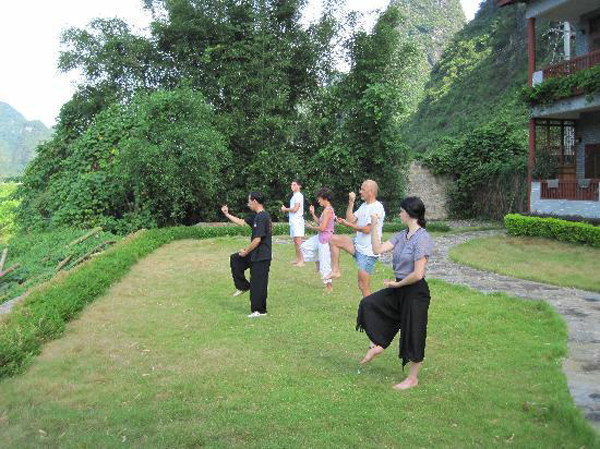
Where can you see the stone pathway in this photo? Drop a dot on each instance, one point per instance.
(580, 309)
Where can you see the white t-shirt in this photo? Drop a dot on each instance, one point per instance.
(297, 216)
(363, 241)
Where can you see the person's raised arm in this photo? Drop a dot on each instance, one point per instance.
(350, 217)
(311, 209)
(236, 220)
(378, 247)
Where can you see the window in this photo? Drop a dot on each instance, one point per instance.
(556, 138)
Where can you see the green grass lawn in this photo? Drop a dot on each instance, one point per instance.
(536, 259)
(167, 358)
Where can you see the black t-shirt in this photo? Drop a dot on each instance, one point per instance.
(261, 227)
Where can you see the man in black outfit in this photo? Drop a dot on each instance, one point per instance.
(257, 256)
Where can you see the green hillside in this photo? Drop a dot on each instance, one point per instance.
(18, 140)
(431, 25)
(478, 76)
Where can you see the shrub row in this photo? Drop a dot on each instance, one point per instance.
(552, 228)
(46, 311)
(574, 218)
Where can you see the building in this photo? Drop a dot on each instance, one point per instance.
(565, 133)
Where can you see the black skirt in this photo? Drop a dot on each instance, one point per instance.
(384, 313)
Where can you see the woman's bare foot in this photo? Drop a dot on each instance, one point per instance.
(329, 287)
(371, 354)
(409, 382)
(299, 264)
(333, 275)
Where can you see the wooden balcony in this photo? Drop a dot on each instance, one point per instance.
(574, 65)
(570, 190)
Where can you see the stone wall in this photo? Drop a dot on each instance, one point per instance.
(431, 189)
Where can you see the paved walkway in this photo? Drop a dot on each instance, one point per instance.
(580, 309)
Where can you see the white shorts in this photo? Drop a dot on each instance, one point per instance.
(297, 228)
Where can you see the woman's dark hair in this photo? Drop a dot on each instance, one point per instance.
(325, 193)
(415, 208)
(258, 197)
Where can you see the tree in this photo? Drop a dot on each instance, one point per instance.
(157, 161)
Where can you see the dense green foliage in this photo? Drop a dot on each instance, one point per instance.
(585, 82)
(489, 166)
(359, 119)
(18, 139)
(8, 206)
(552, 228)
(473, 98)
(155, 161)
(124, 159)
(39, 255)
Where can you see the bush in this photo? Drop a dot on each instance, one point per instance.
(574, 218)
(157, 161)
(552, 228)
(489, 165)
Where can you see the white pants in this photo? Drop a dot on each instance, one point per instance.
(315, 251)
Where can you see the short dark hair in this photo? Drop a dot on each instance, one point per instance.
(258, 197)
(415, 208)
(297, 181)
(325, 193)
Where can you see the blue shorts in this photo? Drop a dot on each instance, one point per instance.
(364, 262)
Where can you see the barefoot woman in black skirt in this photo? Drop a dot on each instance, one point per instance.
(403, 304)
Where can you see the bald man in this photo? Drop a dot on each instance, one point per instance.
(360, 247)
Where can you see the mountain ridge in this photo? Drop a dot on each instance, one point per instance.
(19, 138)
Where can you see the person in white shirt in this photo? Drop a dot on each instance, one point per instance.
(360, 247)
(296, 220)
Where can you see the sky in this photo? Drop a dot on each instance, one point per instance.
(30, 43)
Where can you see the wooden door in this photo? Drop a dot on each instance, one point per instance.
(594, 43)
(592, 161)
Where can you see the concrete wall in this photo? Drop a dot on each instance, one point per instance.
(589, 209)
(431, 189)
(588, 129)
(567, 108)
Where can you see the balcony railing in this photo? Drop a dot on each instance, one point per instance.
(570, 190)
(574, 65)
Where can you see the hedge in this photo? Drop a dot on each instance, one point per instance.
(552, 228)
(43, 316)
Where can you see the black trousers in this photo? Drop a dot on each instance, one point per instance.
(405, 309)
(259, 280)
